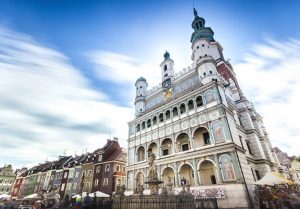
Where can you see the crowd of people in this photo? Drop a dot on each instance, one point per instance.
(75, 202)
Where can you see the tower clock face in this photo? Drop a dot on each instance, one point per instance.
(167, 84)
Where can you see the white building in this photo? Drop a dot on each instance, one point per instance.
(201, 127)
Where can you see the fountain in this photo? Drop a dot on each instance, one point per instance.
(153, 180)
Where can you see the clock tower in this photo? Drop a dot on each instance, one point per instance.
(167, 71)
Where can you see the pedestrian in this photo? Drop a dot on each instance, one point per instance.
(86, 201)
(78, 202)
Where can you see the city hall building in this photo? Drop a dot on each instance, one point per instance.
(202, 129)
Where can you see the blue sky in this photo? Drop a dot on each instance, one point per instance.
(72, 66)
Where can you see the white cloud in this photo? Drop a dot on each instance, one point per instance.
(47, 105)
(123, 69)
(269, 75)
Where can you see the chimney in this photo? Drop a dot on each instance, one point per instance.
(115, 139)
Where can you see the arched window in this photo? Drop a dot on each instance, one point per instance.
(210, 97)
(148, 123)
(141, 154)
(199, 101)
(138, 127)
(168, 114)
(165, 68)
(191, 105)
(143, 125)
(175, 111)
(218, 132)
(161, 117)
(182, 109)
(227, 168)
(154, 120)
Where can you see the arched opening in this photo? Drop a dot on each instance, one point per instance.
(168, 175)
(154, 120)
(186, 175)
(141, 154)
(207, 173)
(182, 108)
(165, 68)
(138, 127)
(143, 125)
(168, 114)
(201, 137)
(161, 117)
(140, 178)
(199, 101)
(148, 123)
(191, 105)
(175, 111)
(153, 148)
(182, 142)
(166, 147)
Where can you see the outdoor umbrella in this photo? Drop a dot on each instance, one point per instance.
(98, 194)
(32, 196)
(272, 178)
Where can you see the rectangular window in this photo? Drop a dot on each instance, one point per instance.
(124, 170)
(62, 188)
(96, 182)
(165, 152)
(65, 175)
(119, 182)
(107, 168)
(87, 186)
(105, 181)
(185, 147)
(118, 168)
(98, 169)
(89, 173)
(206, 138)
(99, 158)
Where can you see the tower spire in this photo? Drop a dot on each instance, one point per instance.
(195, 12)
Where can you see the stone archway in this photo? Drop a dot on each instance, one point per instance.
(207, 173)
(140, 178)
(183, 142)
(166, 147)
(168, 173)
(201, 137)
(140, 154)
(186, 175)
(152, 148)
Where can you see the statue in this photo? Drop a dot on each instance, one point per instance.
(152, 178)
(140, 189)
(152, 169)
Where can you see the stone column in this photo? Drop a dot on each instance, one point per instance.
(196, 178)
(219, 177)
(176, 176)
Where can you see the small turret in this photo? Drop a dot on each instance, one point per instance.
(167, 67)
(141, 91)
